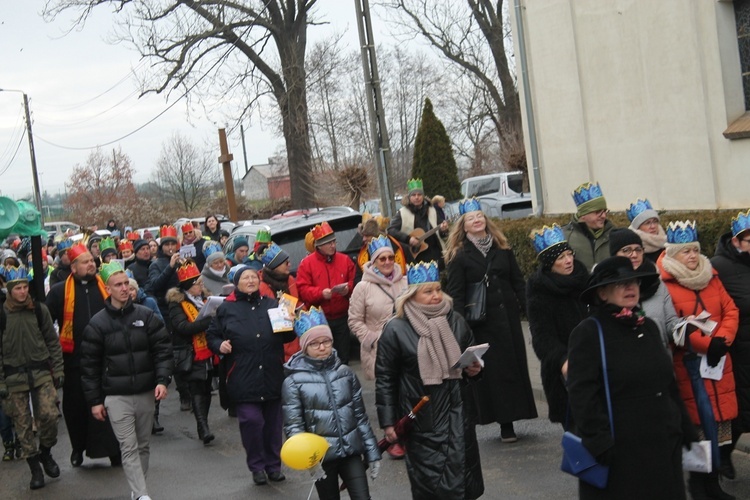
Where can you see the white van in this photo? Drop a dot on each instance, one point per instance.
(503, 184)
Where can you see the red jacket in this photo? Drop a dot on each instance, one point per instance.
(714, 299)
(315, 274)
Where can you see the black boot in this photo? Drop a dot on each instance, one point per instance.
(713, 488)
(49, 464)
(697, 486)
(201, 418)
(37, 476)
(726, 468)
(156, 426)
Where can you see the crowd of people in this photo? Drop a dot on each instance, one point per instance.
(620, 318)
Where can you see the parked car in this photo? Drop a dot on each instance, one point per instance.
(501, 184)
(496, 206)
(154, 230)
(289, 232)
(55, 228)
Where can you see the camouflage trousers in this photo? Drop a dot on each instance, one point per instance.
(44, 400)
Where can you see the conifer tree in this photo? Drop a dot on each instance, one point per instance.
(434, 162)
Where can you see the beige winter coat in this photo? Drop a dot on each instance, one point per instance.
(370, 306)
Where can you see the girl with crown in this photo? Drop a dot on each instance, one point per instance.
(695, 287)
(417, 356)
(324, 396)
(477, 250)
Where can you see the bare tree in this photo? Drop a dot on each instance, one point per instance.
(184, 174)
(472, 36)
(223, 50)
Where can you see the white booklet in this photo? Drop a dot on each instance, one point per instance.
(701, 321)
(209, 308)
(471, 354)
(712, 372)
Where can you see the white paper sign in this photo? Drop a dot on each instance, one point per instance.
(698, 457)
(209, 308)
(712, 372)
(187, 251)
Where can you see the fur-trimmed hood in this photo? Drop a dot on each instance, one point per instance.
(175, 295)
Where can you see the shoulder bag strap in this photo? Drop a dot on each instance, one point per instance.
(606, 377)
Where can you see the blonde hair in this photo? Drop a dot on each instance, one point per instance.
(410, 292)
(457, 237)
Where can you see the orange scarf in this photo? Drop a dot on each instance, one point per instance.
(200, 346)
(66, 332)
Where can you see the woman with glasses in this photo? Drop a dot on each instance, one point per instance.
(655, 299)
(373, 303)
(188, 332)
(695, 288)
(649, 424)
(417, 356)
(477, 251)
(242, 333)
(554, 308)
(644, 220)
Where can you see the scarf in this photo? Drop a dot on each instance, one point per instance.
(218, 274)
(12, 305)
(628, 317)
(200, 346)
(437, 350)
(652, 242)
(483, 244)
(693, 280)
(66, 332)
(650, 291)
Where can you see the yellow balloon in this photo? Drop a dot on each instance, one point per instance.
(302, 451)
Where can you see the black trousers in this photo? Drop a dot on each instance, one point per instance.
(342, 337)
(353, 473)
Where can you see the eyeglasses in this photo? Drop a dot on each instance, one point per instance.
(324, 343)
(599, 213)
(631, 250)
(387, 258)
(186, 233)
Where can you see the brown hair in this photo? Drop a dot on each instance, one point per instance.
(457, 237)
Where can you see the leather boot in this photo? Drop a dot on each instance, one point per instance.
(37, 475)
(713, 488)
(726, 468)
(156, 426)
(201, 418)
(49, 464)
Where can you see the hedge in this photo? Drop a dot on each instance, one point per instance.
(711, 225)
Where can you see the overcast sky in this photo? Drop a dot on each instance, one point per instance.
(82, 94)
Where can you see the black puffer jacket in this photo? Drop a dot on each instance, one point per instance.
(325, 397)
(442, 451)
(183, 331)
(139, 268)
(124, 351)
(734, 272)
(554, 309)
(255, 365)
(161, 277)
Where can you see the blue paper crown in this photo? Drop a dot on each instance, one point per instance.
(378, 243)
(740, 223)
(468, 205)
(14, 274)
(308, 319)
(682, 232)
(423, 272)
(64, 245)
(635, 209)
(270, 253)
(546, 237)
(586, 192)
(211, 247)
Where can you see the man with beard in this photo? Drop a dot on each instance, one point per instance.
(139, 266)
(72, 303)
(162, 275)
(62, 270)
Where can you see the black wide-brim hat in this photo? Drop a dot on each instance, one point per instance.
(616, 270)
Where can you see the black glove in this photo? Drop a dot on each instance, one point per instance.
(58, 381)
(689, 435)
(716, 349)
(605, 457)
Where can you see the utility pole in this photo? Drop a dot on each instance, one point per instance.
(378, 131)
(226, 162)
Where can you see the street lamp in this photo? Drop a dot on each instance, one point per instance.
(35, 176)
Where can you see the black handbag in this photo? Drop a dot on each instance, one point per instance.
(183, 358)
(577, 460)
(475, 308)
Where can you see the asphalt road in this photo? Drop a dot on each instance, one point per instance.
(182, 468)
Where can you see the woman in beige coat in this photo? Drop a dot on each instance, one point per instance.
(372, 304)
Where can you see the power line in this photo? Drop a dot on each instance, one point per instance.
(18, 146)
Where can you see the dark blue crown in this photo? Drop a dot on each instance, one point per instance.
(740, 223)
(211, 247)
(270, 253)
(469, 205)
(547, 237)
(14, 274)
(308, 319)
(423, 272)
(637, 208)
(586, 192)
(679, 232)
(378, 243)
(64, 245)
